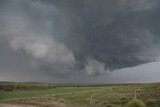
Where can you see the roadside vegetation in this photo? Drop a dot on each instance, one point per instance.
(136, 103)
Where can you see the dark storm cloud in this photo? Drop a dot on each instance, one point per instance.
(119, 33)
(86, 37)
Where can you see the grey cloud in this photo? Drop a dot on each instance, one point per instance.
(71, 37)
(135, 5)
(35, 40)
(41, 48)
(94, 67)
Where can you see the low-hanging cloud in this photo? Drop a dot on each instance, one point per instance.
(81, 37)
(94, 67)
(36, 41)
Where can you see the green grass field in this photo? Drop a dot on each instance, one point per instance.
(4, 95)
(100, 96)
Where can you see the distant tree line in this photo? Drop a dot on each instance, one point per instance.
(11, 86)
(19, 86)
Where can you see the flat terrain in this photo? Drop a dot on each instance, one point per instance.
(112, 95)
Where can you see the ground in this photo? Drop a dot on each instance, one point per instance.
(113, 95)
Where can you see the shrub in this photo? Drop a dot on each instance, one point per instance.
(109, 105)
(136, 103)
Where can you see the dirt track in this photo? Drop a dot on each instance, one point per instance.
(13, 105)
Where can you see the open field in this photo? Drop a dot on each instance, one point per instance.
(109, 95)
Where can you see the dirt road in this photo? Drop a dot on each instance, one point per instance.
(12, 105)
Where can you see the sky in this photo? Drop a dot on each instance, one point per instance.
(80, 41)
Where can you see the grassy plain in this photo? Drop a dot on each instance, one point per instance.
(113, 95)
